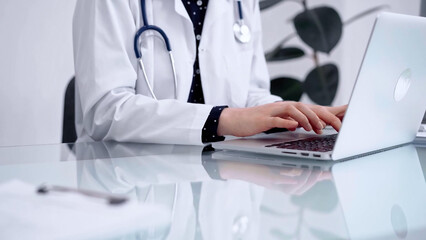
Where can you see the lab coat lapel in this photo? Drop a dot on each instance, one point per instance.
(185, 81)
(216, 13)
(180, 9)
(215, 10)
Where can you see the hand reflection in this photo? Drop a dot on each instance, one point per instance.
(290, 180)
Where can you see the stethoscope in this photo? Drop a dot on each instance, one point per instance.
(241, 32)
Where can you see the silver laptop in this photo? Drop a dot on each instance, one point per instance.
(386, 106)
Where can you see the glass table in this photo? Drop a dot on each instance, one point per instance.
(232, 195)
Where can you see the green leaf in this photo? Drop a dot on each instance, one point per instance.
(287, 88)
(321, 198)
(320, 28)
(282, 54)
(265, 4)
(321, 234)
(321, 84)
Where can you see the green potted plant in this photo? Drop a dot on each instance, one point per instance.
(321, 29)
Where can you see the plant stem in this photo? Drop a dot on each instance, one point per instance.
(363, 14)
(315, 57)
(305, 6)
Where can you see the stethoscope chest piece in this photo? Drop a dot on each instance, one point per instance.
(242, 32)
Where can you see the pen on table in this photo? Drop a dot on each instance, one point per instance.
(111, 198)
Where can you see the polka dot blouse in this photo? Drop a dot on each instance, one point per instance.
(197, 11)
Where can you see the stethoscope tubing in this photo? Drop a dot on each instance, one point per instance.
(240, 10)
(147, 27)
(239, 35)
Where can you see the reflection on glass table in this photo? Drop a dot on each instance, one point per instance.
(381, 196)
(228, 195)
(201, 208)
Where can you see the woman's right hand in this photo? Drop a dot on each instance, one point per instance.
(242, 122)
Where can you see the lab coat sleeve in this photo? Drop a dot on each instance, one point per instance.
(259, 90)
(106, 74)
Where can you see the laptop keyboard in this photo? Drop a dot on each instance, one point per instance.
(315, 144)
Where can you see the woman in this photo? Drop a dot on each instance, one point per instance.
(222, 83)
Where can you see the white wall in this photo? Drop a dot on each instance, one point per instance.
(36, 59)
(35, 65)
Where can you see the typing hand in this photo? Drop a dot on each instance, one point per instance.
(332, 116)
(242, 122)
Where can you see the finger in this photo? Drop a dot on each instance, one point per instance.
(330, 119)
(338, 111)
(341, 115)
(285, 114)
(293, 172)
(310, 182)
(292, 129)
(301, 181)
(278, 122)
(325, 176)
(312, 117)
(301, 118)
(283, 180)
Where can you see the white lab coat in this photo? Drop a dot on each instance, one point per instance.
(112, 99)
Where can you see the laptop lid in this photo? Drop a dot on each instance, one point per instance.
(388, 100)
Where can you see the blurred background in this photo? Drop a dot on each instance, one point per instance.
(36, 61)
